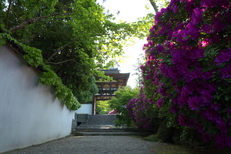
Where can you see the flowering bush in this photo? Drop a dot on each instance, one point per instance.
(189, 62)
(141, 111)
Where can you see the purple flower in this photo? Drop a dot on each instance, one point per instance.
(207, 28)
(173, 109)
(174, 58)
(226, 72)
(206, 97)
(209, 114)
(182, 69)
(212, 87)
(152, 29)
(221, 141)
(157, 17)
(207, 75)
(164, 69)
(197, 15)
(221, 125)
(193, 75)
(161, 90)
(228, 141)
(216, 38)
(172, 72)
(211, 3)
(194, 102)
(205, 137)
(183, 96)
(199, 53)
(175, 8)
(223, 57)
(159, 48)
(218, 24)
(198, 127)
(214, 106)
(189, 6)
(229, 111)
(181, 119)
(159, 102)
(192, 31)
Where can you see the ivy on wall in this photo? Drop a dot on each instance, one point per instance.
(33, 57)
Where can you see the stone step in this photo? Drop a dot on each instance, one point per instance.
(87, 126)
(101, 119)
(109, 130)
(107, 133)
(94, 131)
(102, 125)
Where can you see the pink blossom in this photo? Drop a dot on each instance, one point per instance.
(112, 112)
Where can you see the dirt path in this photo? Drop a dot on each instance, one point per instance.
(93, 145)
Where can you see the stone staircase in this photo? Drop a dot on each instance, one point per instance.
(100, 120)
(102, 125)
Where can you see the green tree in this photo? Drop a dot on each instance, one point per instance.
(71, 39)
(103, 107)
(119, 104)
(75, 36)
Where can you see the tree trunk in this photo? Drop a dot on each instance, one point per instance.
(154, 5)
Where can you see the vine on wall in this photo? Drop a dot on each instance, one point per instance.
(33, 57)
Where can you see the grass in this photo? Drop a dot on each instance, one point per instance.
(166, 148)
(152, 137)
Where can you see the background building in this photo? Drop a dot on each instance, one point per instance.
(106, 89)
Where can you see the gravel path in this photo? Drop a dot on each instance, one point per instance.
(92, 145)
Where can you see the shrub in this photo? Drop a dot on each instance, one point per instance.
(188, 60)
(140, 109)
(119, 104)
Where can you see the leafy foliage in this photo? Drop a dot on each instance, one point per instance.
(103, 107)
(69, 41)
(47, 76)
(33, 56)
(119, 104)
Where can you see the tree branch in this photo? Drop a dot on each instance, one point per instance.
(59, 49)
(31, 21)
(7, 14)
(154, 5)
(62, 47)
(61, 62)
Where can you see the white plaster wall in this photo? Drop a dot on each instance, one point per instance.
(85, 109)
(30, 114)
